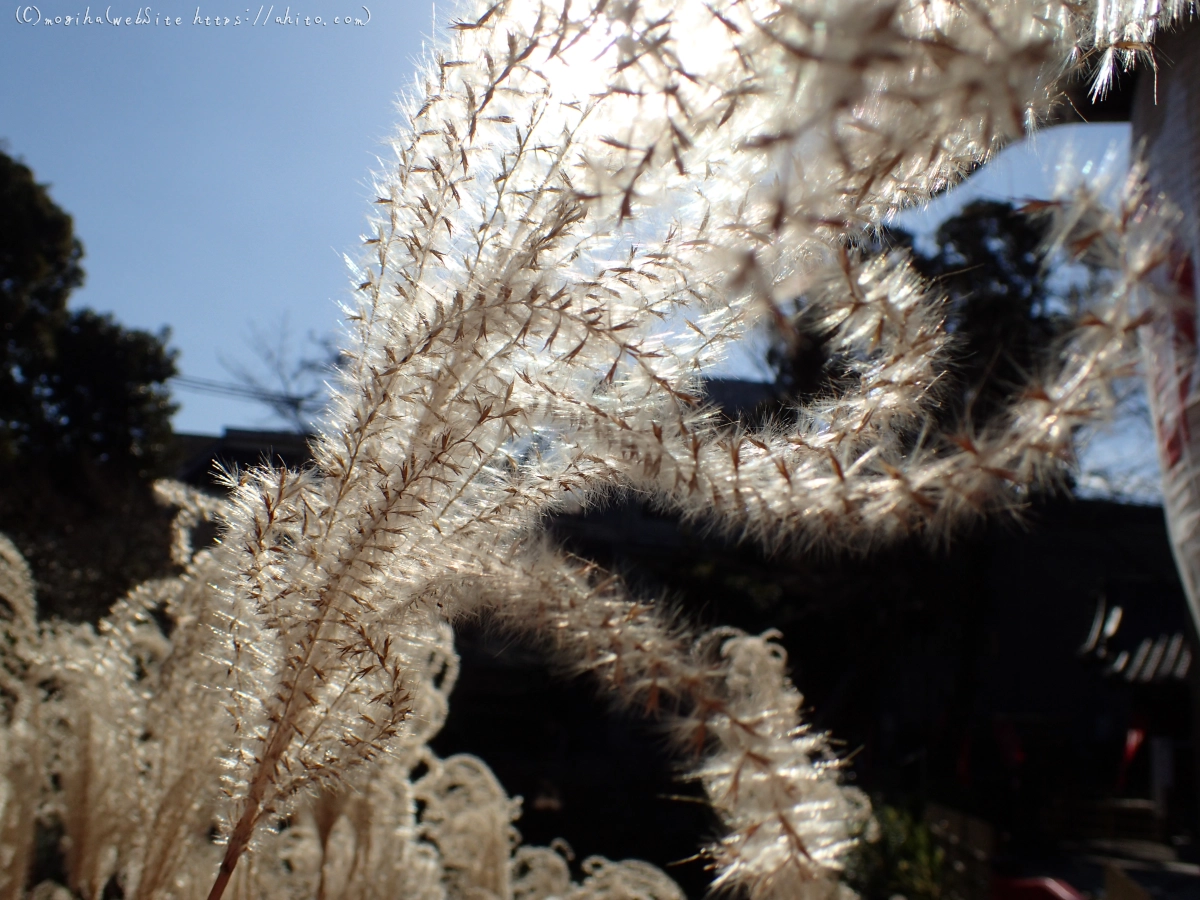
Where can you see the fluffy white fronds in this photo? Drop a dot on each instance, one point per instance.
(589, 203)
(333, 671)
(625, 880)
(727, 700)
(21, 773)
(92, 719)
(191, 508)
(20, 791)
(866, 466)
(469, 818)
(1123, 32)
(16, 588)
(372, 844)
(116, 735)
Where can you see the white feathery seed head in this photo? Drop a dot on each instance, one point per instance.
(588, 204)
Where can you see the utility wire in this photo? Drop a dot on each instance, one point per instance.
(240, 391)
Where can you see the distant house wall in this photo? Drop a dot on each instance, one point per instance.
(202, 456)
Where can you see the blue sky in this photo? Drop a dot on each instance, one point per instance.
(217, 174)
(1032, 168)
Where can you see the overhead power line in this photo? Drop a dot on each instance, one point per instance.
(240, 391)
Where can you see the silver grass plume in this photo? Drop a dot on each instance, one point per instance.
(20, 752)
(589, 204)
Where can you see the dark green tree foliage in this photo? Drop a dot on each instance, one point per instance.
(105, 397)
(1001, 306)
(75, 386)
(39, 267)
(84, 415)
(989, 264)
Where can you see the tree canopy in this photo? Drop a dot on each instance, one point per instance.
(85, 414)
(76, 387)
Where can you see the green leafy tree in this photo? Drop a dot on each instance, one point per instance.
(39, 267)
(84, 414)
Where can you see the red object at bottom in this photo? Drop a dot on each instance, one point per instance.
(1033, 889)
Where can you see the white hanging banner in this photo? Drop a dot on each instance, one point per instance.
(1167, 132)
(1172, 361)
